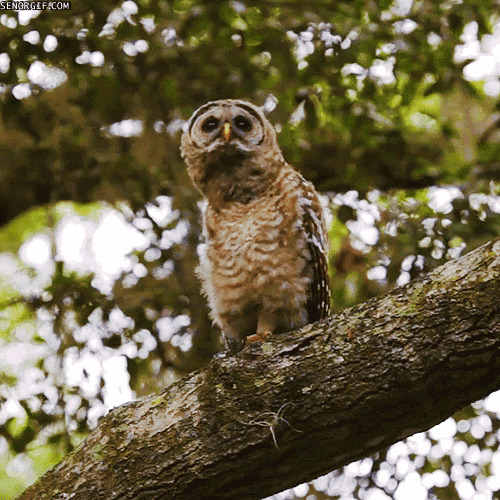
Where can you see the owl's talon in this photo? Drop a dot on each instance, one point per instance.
(258, 337)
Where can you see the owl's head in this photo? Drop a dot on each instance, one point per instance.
(229, 140)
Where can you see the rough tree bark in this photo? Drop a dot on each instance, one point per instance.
(289, 409)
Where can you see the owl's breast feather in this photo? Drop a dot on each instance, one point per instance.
(256, 252)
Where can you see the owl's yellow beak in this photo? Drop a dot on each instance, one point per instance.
(226, 131)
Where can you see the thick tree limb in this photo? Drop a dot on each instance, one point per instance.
(304, 403)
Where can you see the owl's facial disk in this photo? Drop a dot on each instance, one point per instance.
(231, 151)
(230, 129)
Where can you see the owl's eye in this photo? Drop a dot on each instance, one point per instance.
(242, 123)
(210, 124)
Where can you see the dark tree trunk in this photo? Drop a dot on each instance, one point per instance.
(297, 406)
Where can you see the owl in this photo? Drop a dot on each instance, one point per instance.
(264, 266)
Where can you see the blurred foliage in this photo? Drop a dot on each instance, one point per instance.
(371, 104)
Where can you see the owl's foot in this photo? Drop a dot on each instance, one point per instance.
(258, 337)
(233, 345)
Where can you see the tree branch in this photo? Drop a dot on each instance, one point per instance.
(304, 403)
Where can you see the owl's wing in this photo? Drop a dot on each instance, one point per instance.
(318, 300)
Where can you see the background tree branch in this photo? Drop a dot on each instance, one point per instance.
(302, 404)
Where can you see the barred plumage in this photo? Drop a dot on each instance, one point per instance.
(264, 269)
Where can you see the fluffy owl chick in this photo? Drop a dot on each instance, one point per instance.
(265, 267)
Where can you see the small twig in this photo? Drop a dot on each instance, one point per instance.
(272, 422)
